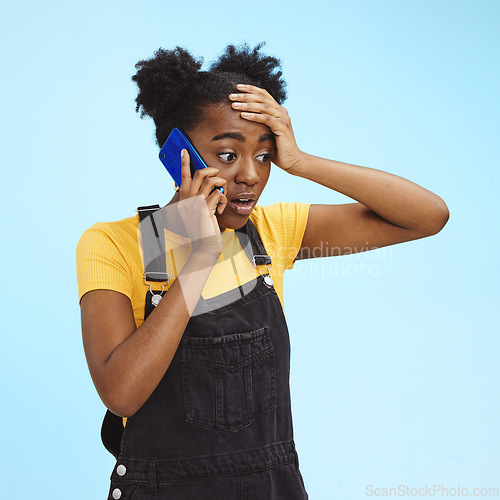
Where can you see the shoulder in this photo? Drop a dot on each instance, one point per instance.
(281, 227)
(281, 221)
(279, 214)
(106, 255)
(117, 231)
(117, 238)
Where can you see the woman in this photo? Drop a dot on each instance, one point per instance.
(203, 384)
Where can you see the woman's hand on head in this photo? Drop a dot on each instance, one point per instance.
(258, 105)
(197, 205)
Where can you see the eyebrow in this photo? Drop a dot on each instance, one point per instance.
(239, 137)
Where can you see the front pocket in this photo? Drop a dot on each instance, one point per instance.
(228, 381)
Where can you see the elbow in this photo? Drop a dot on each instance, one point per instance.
(119, 401)
(436, 218)
(441, 216)
(119, 407)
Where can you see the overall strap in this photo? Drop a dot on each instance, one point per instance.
(260, 257)
(256, 251)
(153, 246)
(153, 251)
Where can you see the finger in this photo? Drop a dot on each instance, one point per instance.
(217, 202)
(209, 183)
(222, 204)
(253, 88)
(241, 101)
(275, 124)
(199, 178)
(247, 97)
(257, 107)
(185, 173)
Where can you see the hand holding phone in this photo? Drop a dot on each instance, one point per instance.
(199, 200)
(170, 156)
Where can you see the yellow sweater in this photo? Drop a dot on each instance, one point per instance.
(108, 255)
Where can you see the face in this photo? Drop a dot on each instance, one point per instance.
(242, 151)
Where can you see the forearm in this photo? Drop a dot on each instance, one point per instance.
(397, 200)
(137, 365)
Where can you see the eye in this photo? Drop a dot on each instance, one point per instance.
(229, 156)
(264, 157)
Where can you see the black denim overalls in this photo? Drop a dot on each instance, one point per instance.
(219, 425)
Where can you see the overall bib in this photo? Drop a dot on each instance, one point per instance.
(218, 426)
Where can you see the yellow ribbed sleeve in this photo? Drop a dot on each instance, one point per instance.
(101, 262)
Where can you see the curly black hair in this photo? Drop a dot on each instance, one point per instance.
(173, 90)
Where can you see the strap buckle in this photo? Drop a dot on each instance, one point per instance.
(147, 208)
(264, 260)
(157, 296)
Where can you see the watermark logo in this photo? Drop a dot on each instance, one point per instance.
(351, 262)
(434, 490)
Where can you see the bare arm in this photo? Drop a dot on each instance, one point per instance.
(127, 363)
(390, 209)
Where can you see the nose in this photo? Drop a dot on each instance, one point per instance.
(247, 172)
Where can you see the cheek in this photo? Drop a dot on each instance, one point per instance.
(228, 180)
(265, 176)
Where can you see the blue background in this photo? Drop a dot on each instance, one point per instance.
(395, 353)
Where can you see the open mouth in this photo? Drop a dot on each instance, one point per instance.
(242, 206)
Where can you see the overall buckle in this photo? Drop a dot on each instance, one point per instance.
(156, 297)
(264, 260)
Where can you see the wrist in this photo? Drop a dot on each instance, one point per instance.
(200, 260)
(297, 165)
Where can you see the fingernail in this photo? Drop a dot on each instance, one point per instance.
(241, 85)
(182, 153)
(237, 104)
(245, 114)
(233, 96)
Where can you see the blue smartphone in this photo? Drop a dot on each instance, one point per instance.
(170, 156)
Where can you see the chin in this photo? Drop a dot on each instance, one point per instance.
(231, 221)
